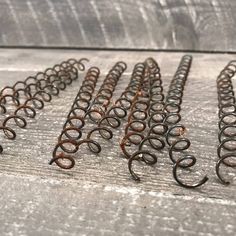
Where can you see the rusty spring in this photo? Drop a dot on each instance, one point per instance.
(105, 119)
(94, 111)
(112, 118)
(227, 119)
(153, 120)
(143, 128)
(157, 121)
(25, 97)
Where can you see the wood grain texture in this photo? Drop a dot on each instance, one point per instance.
(153, 24)
(98, 197)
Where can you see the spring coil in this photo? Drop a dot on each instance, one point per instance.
(133, 131)
(24, 97)
(105, 119)
(175, 135)
(103, 98)
(175, 92)
(69, 139)
(119, 109)
(143, 128)
(77, 114)
(227, 118)
(93, 111)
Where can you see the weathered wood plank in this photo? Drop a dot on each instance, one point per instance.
(40, 199)
(38, 206)
(162, 24)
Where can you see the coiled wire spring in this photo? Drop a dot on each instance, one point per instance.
(227, 119)
(93, 111)
(25, 97)
(143, 129)
(175, 136)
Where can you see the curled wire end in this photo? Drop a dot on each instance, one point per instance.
(222, 159)
(62, 157)
(192, 160)
(142, 155)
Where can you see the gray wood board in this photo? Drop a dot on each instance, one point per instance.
(149, 24)
(98, 196)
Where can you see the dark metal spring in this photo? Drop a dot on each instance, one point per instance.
(175, 135)
(25, 97)
(155, 119)
(94, 111)
(77, 114)
(125, 102)
(226, 150)
(72, 128)
(103, 98)
(152, 118)
(135, 126)
(99, 111)
(143, 128)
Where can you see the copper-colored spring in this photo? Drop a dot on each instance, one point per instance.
(24, 97)
(227, 119)
(69, 139)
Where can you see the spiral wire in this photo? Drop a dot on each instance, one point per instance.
(72, 131)
(227, 119)
(104, 95)
(91, 111)
(144, 127)
(118, 111)
(25, 97)
(175, 136)
(98, 112)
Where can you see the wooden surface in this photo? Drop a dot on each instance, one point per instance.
(98, 196)
(150, 24)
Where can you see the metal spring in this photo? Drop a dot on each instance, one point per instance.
(143, 127)
(99, 110)
(163, 118)
(119, 109)
(227, 119)
(72, 128)
(94, 111)
(76, 116)
(150, 119)
(102, 100)
(175, 92)
(133, 134)
(24, 97)
(175, 135)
